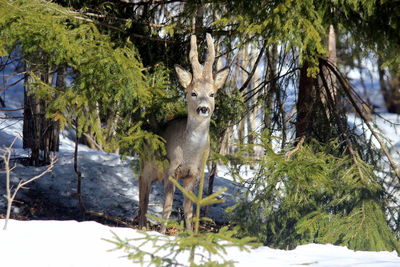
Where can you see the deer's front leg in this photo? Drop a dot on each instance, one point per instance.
(169, 190)
(188, 184)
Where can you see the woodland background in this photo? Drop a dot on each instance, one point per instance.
(308, 81)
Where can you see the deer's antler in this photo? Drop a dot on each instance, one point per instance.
(194, 58)
(208, 65)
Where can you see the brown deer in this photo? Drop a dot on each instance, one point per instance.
(186, 139)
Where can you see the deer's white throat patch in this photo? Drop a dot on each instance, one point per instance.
(198, 138)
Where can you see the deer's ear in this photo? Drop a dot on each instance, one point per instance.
(220, 78)
(185, 77)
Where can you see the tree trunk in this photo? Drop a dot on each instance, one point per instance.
(39, 133)
(313, 106)
(253, 104)
(305, 102)
(241, 128)
(332, 58)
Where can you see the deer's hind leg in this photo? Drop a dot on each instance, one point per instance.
(150, 174)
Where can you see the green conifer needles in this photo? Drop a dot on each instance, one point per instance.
(106, 88)
(316, 196)
(197, 248)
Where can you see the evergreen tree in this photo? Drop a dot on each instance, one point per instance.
(106, 89)
(301, 27)
(314, 194)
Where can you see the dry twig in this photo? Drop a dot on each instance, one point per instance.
(11, 194)
(294, 150)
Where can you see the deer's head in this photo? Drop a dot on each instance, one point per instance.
(202, 86)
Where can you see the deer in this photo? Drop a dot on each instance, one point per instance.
(187, 139)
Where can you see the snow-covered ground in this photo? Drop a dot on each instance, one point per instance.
(110, 186)
(78, 244)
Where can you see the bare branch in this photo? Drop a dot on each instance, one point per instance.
(347, 89)
(251, 93)
(10, 196)
(15, 109)
(251, 74)
(294, 150)
(11, 117)
(49, 168)
(11, 85)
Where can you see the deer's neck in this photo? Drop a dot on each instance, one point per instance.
(197, 130)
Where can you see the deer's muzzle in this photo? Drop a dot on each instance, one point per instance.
(203, 111)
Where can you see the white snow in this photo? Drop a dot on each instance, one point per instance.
(77, 244)
(59, 243)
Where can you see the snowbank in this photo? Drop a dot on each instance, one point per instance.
(71, 243)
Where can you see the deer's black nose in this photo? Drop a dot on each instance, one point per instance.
(203, 110)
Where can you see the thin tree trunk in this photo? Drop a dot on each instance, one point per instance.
(225, 142)
(29, 103)
(77, 171)
(241, 126)
(270, 73)
(253, 104)
(328, 76)
(112, 125)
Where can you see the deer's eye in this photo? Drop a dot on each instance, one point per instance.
(194, 94)
(211, 95)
